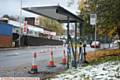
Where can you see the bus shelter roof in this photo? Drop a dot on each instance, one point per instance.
(54, 12)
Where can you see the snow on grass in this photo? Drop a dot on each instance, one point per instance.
(104, 71)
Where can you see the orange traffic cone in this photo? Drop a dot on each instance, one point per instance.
(64, 61)
(34, 69)
(51, 62)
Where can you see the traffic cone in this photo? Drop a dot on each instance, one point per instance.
(64, 60)
(34, 69)
(51, 62)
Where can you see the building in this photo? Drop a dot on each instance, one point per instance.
(5, 34)
(27, 35)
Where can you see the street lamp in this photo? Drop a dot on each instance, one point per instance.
(20, 19)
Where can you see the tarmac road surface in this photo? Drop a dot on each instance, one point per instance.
(16, 57)
(13, 58)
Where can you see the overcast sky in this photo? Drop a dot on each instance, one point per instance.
(12, 7)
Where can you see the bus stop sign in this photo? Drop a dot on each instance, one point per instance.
(93, 18)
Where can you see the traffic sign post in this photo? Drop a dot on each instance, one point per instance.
(93, 21)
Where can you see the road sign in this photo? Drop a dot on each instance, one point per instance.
(93, 18)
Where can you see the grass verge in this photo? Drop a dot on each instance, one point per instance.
(105, 59)
(102, 56)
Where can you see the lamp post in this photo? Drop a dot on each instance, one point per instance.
(20, 19)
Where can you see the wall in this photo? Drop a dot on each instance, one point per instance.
(35, 41)
(5, 41)
(5, 29)
(5, 35)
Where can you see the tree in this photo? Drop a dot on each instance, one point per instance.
(5, 16)
(11, 17)
(51, 24)
(107, 14)
(85, 15)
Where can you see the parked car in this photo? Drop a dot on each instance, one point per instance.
(116, 41)
(95, 44)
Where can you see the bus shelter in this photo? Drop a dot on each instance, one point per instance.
(62, 15)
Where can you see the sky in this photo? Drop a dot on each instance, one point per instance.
(12, 7)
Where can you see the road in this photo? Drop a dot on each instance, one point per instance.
(11, 58)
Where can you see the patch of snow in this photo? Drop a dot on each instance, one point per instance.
(104, 71)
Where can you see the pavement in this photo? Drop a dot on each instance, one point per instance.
(15, 48)
(5, 49)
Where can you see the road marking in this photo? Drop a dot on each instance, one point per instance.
(16, 53)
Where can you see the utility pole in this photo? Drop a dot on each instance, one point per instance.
(20, 19)
(93, 20)
(95, 35)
